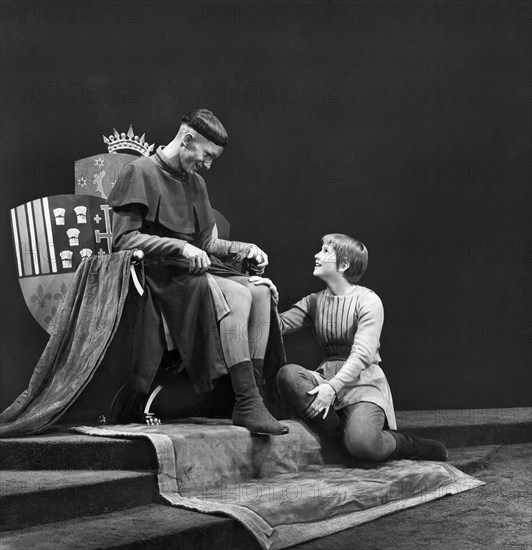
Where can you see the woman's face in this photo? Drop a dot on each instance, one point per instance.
(325, 262)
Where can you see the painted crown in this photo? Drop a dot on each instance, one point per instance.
(129, 141)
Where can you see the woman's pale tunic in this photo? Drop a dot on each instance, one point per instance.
(348, 328)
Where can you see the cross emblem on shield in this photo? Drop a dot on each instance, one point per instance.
(53, 235)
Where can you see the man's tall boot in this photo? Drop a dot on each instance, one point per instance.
(258, 366)
(412, 446)
(250, 411)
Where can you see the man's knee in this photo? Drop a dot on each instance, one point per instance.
(260, 293)
(239, 298)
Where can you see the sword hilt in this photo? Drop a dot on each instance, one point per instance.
(138, 256)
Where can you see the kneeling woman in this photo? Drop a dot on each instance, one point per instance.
(347, 397)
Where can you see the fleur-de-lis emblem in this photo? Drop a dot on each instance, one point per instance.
(61, 295)
(40, 298)
(51, 320)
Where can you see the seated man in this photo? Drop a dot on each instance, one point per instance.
(193, 302)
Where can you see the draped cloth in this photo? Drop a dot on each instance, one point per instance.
(284, 490)
(84, 328)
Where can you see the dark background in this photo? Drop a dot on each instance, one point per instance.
(404, 124)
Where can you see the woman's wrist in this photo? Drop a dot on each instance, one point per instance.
(336, 385)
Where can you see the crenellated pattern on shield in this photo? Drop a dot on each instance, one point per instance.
(52, 236)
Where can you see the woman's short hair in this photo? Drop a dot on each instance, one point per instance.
(348, 250)
(208, 125)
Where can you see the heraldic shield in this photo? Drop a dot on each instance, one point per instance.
(97, 175)
(52, 236)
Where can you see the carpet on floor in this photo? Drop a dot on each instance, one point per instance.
(283, 489)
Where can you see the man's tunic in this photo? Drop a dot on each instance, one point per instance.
(159, 210)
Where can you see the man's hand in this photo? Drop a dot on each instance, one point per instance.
(325, 396)
(258, 256)
(267, 282)
(198, 259)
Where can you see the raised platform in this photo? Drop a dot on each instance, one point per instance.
(64, 490)
(467, 427)
(154, 526)
(59, 449)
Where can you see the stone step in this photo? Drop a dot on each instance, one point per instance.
(36, 496)
(62, 451)
(470, 427)
(65, 451)
(145, 527)
(158, 526)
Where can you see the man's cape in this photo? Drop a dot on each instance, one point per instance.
(87, 322)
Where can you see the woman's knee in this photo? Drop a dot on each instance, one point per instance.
(285, 374)
(293, 376)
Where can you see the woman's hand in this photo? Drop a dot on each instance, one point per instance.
(325, 396)
(267, 282)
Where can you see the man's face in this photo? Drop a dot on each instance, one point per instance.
(198, 153)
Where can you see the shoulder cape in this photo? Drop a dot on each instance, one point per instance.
(164, 198)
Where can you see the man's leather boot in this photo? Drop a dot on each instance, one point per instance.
(258, 366)
(250, 411)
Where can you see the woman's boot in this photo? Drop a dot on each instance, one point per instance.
(412, 446)
(250, 411)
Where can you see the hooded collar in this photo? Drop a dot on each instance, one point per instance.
(166, 164)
